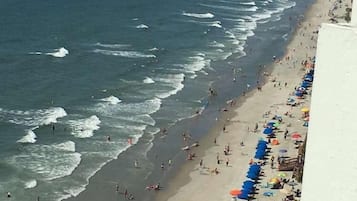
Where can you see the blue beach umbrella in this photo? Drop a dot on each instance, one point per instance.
(299, 94)
(252, 176)
(250, 182)
(243, 196)
(262, 142)
(268, 131)
(305, 84)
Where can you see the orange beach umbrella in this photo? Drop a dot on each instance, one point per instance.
(235, 192)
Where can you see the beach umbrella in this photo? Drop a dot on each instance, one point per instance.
(235, 192)
(299, 94)
(247, 185)
(274, 181)
(248, 182)
(261, 141)
(248, 190)
(305, 109)
(243, 196)
(295, 136)
(252, 176)
(268, 131)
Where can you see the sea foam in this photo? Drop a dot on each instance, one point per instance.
(112, 45)
(33, 117)
(148, 80)
(127, 54)
(31, 184)
(173, 81)
(112, 100)
(59, 53)
(30, 137)
(142, 26)
(48, 162)
(198, 15)
(84, 128)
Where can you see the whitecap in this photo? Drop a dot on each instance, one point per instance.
(252, 3)
(48, 162)
(215, 24)
(173, 81)
(216, 44)
(127, 54)
(199, 15)
(30, 137)
(154, 49)
(31, 184)
(148, 80)
(33, 117)
(36, 53)
(84, 128)
(142, 26)
(112, 100)
(112, 45)
(61, 52)
(66, 146)
(196, 63)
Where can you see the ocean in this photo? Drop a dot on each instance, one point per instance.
(75, 73)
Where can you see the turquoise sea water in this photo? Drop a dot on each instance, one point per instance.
(75, 72)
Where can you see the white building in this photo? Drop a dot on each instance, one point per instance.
(330, 171)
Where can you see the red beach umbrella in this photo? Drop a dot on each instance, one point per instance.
(295, 136)
(235, 192)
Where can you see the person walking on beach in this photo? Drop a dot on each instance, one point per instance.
(227, 162)
(136, 164)
(162, 166)
(117, 188)
(201, 163)
(169, 162)
(215, 141)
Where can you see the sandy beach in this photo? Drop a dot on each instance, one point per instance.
(197, 181)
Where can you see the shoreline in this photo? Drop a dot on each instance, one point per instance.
(192, 182)
(106, 178)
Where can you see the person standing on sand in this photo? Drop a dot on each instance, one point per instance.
(215, 141)
(169, 162)
(256, 127)
(201, 163)
(136, 164)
